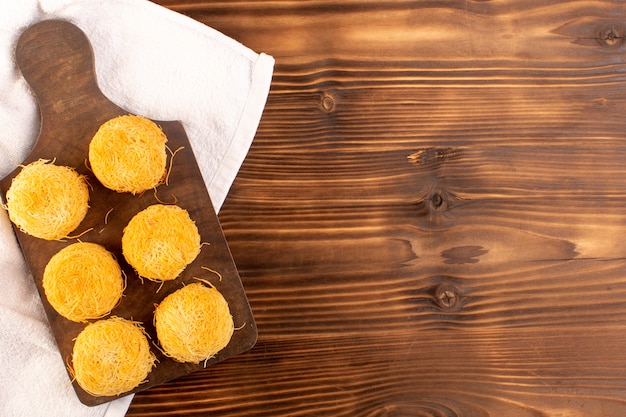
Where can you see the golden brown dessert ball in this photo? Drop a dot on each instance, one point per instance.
(193, 323)
(47, 201)
(128, 154)
(111, 357)
(83, 281)
(160, 241)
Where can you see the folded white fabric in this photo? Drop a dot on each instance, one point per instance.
(150, 61)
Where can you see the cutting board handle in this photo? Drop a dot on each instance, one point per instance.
(57, 61)
(55, 56)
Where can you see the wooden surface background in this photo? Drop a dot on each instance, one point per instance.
(430, 221)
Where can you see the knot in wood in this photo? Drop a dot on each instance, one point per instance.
(447, 296)
(611, 35)
(328, 103)
(436, 199)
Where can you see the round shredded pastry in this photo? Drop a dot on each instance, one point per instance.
(128, 154)
(193, 323)
(160, 241)
(83, 281)
(111, 357)
(47, 201)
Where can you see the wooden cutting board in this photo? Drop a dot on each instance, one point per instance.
(57, 61)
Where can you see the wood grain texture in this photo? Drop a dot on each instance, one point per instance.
(430, 220)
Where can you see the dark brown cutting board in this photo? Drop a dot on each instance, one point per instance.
(57, 61)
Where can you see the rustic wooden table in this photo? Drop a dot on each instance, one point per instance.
(430, 221)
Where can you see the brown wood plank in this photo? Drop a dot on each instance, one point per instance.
(430, 219)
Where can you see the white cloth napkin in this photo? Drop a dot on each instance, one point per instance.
(150, 61)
